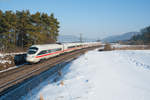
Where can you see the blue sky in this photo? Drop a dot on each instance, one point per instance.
(92, 18)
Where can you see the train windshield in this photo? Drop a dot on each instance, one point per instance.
(32, 50)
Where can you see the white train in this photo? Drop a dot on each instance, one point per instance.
(37, 53)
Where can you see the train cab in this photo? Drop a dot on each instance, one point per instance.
(32, 52)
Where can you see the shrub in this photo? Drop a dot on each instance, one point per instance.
(107, 47)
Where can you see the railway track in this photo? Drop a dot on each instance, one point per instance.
(20, 74)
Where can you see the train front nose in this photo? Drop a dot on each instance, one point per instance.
(30, 58)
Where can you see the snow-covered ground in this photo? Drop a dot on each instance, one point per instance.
(110, 75)
(11, 54)
(7, 61)
(4, 60)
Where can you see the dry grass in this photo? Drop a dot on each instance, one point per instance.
(107, 47)
(134, 48)
(9, 62)
(41, 97)
(62, 83)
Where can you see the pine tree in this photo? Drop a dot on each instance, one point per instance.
(54, 24)
(143, 38)
(22, 29)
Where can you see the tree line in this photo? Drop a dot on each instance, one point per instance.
(23, 29)
(143, 38)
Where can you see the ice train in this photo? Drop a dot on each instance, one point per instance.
(36, 53)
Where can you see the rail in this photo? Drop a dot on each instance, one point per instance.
(18, 75)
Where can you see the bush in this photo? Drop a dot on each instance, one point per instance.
(107, 47)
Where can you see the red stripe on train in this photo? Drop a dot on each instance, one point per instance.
(55, 52)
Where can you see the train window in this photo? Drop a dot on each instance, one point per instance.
(43, 52)
(54, 50)
(71, 46)
(33, 48)
(31, 52)
(49, 51)
(59, 49)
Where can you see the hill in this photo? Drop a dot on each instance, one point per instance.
(72, 38)
(143, 38)
(123, 37)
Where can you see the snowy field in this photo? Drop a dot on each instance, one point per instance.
(110, 75)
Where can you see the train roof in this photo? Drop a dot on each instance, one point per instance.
(47, 46)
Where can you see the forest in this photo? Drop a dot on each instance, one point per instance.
(143, 38)
(22, 29)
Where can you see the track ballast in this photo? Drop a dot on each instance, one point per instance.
(20, 74)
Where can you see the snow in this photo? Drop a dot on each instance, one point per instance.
(5, 61)
(6, 54)
(109, 75)
(3, 55)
